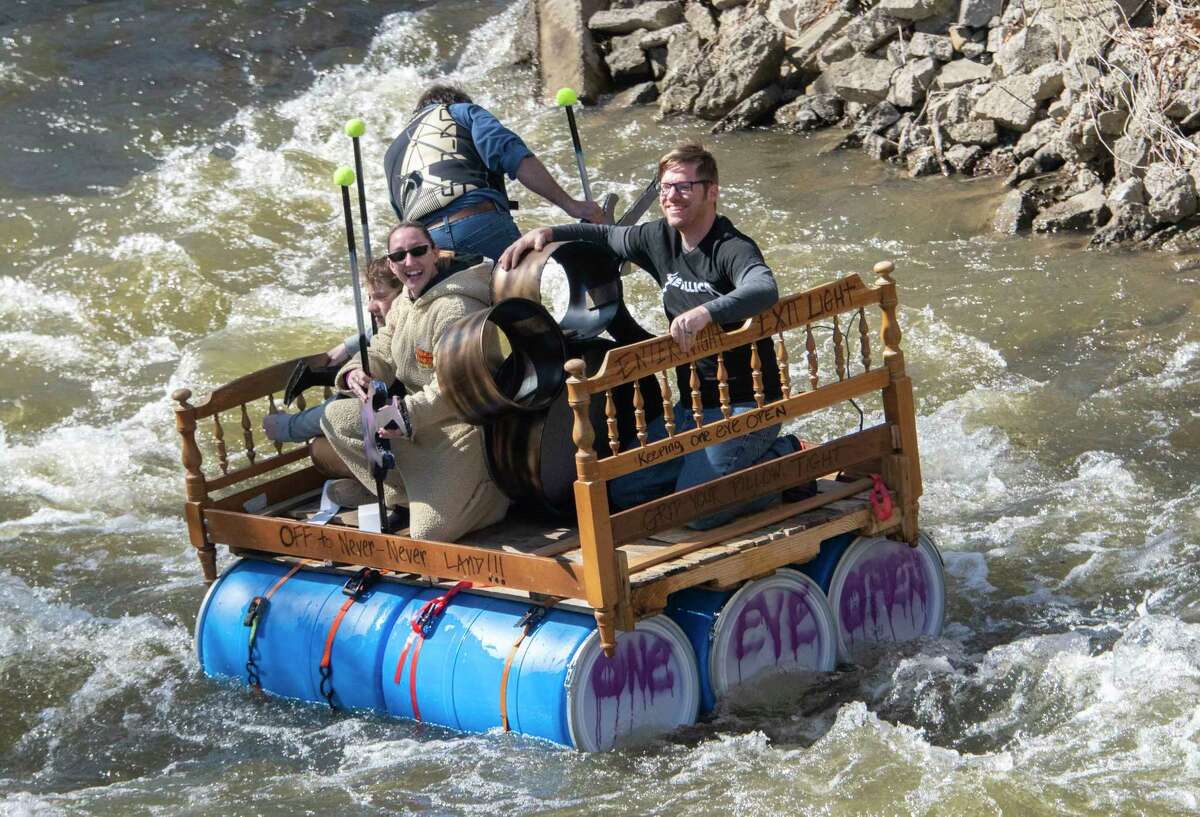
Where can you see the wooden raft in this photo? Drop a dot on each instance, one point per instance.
(624, 565)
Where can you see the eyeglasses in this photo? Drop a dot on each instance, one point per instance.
(682, 188)
(398, 256)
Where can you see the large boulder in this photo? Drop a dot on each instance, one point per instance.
(1010, 103)
(1130, 222)
(1015, 213)
(937, 46)
(650, 16)
(687, 70)
(981, 132)
(809, 112)
(862, 79)
(751, 111)
(915, 9)
(1130, 191)
(746, 59)
(872, 30)
(567, 54)
(802, 52)
(1131, 157)
(659, 37)
(701, 20)
(1084, 211)
(977, 13)
(1170, 192)
(1030, 47)
(1042, 132)
(923, 162)
(911, 82)
(964, 157)
(792, 17)
(962, 72)
(641, 94)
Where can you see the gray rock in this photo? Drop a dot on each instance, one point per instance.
(962, 72)
(871, 30)
(923, 162)
(641, 94)
(1112, 123)
(659, 38)
(1130, 191)
(1130, 222)
(623, 41)
(981, 132)
(829, 107)
(1027, 49)
(1183, 103)
(1027, 168)
(746, 59)
(836, 50)
(652, 15)
(628, 65)
(1080, 76)
(751, 111)
(963, 157)
(1015, 213)
(1084, 211)
(878, 147)
(1131, 157)
(953, 106)
(1010, 102)
(1046, 81)
(909, 84)
(1042, 132)
(862, 79)
(1170, 192)
(701, 20)
(915, 9)
(803, 51)
(1061, 107)
(977, 13)
(995, 39)
(809, 112)
(722, 5)
(973, 51)
(931, 45)
(678, 97)
(567, 54)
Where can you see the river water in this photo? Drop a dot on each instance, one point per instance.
(168, 220)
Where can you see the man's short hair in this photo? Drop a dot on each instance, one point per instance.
(690, 153)
(380, 275)
(441, 94)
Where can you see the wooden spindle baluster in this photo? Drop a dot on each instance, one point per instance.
(271, 406)
(248, 435)
(610, 411)
(756, 376)
(839, 350)
(668, 405)
(185, 424)
(864, 342)
(811, 346)
(781, 358)
(723, 386)
(639, 412)
(222, 454)
(697, 403)
(301, 403)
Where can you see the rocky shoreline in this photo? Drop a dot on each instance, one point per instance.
(1090, 109)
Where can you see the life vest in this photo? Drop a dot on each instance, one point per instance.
(432, 162)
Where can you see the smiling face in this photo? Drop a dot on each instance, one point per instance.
(683, 210)
(415, 273)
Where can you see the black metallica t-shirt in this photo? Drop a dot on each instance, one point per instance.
(725, 273)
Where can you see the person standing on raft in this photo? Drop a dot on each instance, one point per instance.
(441, 475)
(709, 272)
(446, 170)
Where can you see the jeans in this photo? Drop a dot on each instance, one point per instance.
(701, 466)
(488, 234)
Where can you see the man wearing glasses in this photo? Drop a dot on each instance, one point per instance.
(708, 272)
(446, 170)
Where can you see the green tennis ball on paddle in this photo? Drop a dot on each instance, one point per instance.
(343, 176)
(565, 97)
(355, 128)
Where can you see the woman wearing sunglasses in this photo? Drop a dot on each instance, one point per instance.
(441, 475)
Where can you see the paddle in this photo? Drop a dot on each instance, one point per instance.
(566, 98)
(354, 129)
(377, 449)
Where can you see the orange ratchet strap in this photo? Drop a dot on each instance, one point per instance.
(881, 500)
(527, 623)
(358, 584)
(422, 625)
(254, 613)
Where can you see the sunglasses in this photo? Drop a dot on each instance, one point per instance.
(416, 252)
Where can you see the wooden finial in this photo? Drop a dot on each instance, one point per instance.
(576, 368)
(884, 270)
(181, 396)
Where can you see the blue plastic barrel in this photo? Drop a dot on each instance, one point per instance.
(881, 590)
(780, 623)
(560, 687)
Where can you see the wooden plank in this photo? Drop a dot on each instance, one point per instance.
(637, 360)
(260, 467)
(648, 596)
(777, 474)
(750, 523)
(724, 430)
(276, 490)
(252, 386)
(441, 560)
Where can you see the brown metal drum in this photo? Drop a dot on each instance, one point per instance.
(593, 279)
(499, 360)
